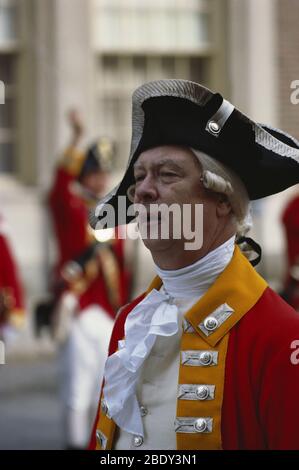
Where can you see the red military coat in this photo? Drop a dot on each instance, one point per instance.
(256, 374)
(105, 274)
(10, 287)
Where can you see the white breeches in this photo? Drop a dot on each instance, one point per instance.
(83, 358)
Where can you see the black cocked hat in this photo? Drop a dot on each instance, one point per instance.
(98, 157)
(184, 113)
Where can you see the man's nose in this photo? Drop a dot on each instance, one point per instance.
(146, 190)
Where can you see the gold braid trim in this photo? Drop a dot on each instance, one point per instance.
(72, 161)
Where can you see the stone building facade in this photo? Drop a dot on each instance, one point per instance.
(91, 54)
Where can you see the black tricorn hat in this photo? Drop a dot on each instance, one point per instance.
(184, 113)
(98, 157)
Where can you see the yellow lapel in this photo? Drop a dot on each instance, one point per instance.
(238, 287)
(234, 292)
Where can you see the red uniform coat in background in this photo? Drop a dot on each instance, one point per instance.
(70, 217)
(10, 286)
(260, 402)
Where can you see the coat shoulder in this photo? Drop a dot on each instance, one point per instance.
(119, 325)
(276, 309)
(270, 322)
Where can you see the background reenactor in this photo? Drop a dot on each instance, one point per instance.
(11, 292)
(90, 280)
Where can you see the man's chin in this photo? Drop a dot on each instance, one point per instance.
(157, 244)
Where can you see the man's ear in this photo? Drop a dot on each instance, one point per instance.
(223, 206)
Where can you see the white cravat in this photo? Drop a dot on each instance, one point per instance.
(155, 316)
(195, 279)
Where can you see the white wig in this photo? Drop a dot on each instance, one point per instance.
(220, 179)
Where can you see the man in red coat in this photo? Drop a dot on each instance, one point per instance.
(12, 312)
(208, 356)
(91, 280)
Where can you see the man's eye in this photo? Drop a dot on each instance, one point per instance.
(168, 174)
(139, 178)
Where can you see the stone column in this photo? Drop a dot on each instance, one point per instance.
(254, 46)
(73, 64)
(253, 58)
(55, 76)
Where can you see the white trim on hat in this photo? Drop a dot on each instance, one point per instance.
(268, 141)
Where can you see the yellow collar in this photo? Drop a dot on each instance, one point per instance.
(233, 294)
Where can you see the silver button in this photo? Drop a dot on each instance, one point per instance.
(214, 127)
(200, 425)
(104, 407)
(193, 425)
(211, 323)
(202, 392)
(143, 411)
(101, 439)
(137, 441)
(205, 358)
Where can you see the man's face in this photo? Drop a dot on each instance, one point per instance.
(172, 175)
(95, 182)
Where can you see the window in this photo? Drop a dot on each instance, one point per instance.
(7, 114)
(9, 30)
(118, 76)
(151, 25)
(136, 41)
(8, 21)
